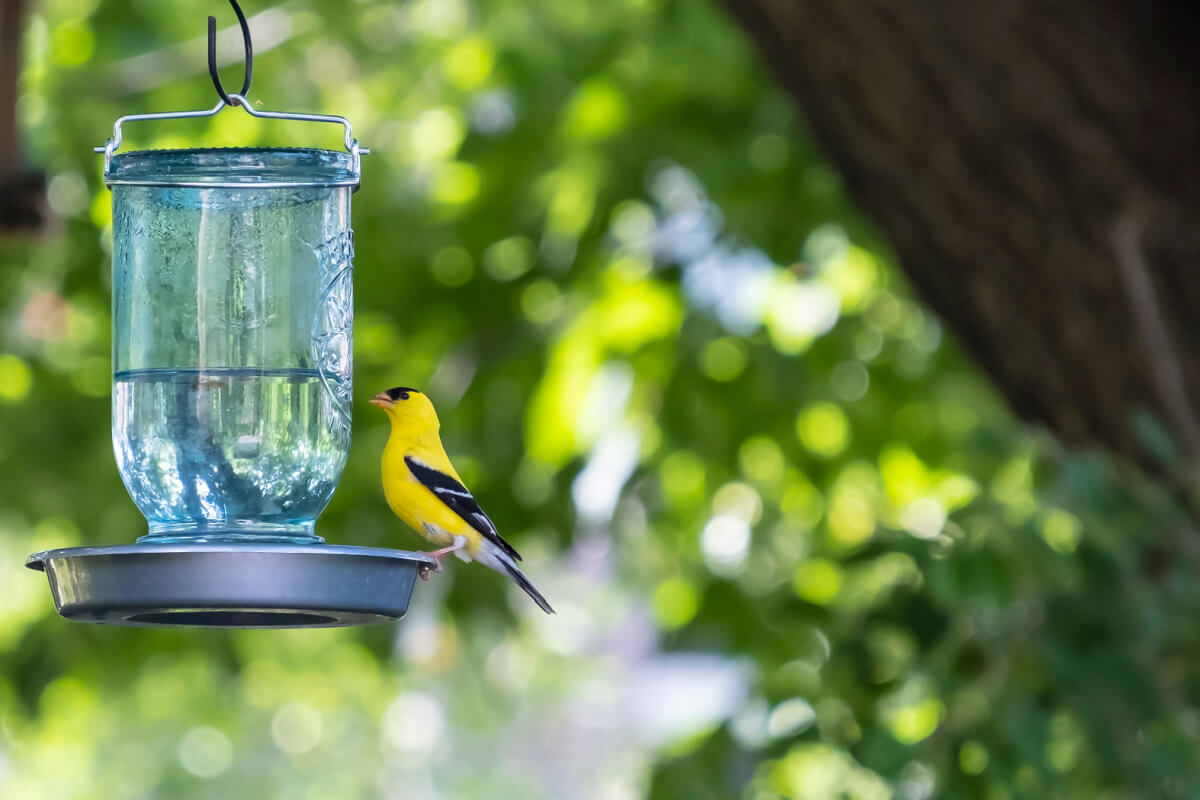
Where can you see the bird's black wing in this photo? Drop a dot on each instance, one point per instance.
(460, 501)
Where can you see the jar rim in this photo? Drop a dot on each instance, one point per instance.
(234, 167)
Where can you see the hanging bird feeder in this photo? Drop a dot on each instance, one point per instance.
(232, 312)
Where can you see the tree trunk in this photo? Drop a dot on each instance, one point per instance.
(20, 190)
(10, 68)
(1036, 166)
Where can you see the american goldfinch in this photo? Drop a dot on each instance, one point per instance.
(423, 489)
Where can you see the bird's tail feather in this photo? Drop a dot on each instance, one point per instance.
(491, 556)
(531, 590)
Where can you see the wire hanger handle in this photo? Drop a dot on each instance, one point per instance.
(234, 99)
(212, 56)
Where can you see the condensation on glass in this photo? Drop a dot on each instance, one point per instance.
(232, 312)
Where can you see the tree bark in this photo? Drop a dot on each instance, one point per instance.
(1036, 166)
(21, 205)
(10, 67)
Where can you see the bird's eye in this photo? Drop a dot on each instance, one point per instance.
(399, 393)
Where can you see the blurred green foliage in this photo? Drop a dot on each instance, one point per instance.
(798, 547)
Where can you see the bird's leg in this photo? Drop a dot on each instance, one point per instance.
(437, 555)
(442, 552)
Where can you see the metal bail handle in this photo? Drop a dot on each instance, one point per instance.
(110, 147)
(233, 99)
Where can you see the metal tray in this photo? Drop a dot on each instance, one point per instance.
(231, 585)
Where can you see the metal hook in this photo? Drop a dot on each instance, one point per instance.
(234, 99)
(212, 57)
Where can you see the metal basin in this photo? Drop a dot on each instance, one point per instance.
(231, 585)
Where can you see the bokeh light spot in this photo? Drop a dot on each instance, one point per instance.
(413, 724)
(598, 110)
(761, 460)
(541, 302)
(851, 520)
(101, 211)
(802, 502)
(797, 313)
(854, 276)
(823, 430)
(768, 152)
(442, 18)
(436, 135)
(470, 62)
(724, 359)
(376, 338)
(791, 717)
(16, 379)
(206, 752)
(972, 757)
(296, 728)
(72, 43)
(1066, 743)
(911, 713)
(633, 224)
(681, 476)
(850, 381)
(818, 581)
(739, 499)
(508, 259)
(817, 770)
(572, 202)
(452, 266)
(67, 194)
(924, 518)
(675, 602)
(725, 541)
(493, 113)
(93, 377)
(1062, 530)
(456, 184)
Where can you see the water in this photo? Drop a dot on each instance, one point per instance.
(228, 454)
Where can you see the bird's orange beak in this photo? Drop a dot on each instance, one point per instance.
(382, 400)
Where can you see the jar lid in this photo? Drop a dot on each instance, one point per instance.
(234, 167)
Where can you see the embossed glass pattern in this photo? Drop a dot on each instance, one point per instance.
(232, 310)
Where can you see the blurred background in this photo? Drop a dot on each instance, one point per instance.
(798, 545)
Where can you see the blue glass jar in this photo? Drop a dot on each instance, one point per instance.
(232, 312)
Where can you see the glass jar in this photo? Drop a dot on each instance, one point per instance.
(232, 312)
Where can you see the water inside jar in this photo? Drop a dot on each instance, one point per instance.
(238, 452)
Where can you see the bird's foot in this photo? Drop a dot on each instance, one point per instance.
(427, 570)
(437, 555)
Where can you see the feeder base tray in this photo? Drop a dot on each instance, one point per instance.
(231, 585)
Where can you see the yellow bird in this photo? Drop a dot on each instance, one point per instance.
(423, 489)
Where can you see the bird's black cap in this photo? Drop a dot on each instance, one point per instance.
(401, 392)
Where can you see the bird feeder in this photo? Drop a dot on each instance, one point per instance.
(232, 315)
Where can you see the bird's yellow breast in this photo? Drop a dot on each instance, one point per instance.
(416, 505)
